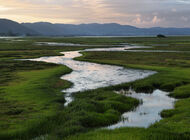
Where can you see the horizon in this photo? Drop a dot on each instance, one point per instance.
(89, 23)
(141, 14)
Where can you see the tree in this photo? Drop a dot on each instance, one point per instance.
(161, 36)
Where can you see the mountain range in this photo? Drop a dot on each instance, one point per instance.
(12, 28)
(8, 27)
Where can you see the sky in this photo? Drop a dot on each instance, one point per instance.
(140, 13)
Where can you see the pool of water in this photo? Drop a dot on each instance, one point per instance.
(159, 51)
(57, 44)
(148, 112)
(77, 45)
(86, 75)
(9, 37)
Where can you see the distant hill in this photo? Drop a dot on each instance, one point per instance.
(111, 29)
(83, 29)
(8, 27)
(11, 28)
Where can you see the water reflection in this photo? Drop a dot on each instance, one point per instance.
(148, 112)
(69, 44)
(57, 44)
(86, 76)
(124, 48)
(158, 51)
(87, 45)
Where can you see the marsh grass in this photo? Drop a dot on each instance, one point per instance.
(31, 103)
(127, 134)
(173, 76)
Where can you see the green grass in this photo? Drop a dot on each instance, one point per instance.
(170, 43)
(168, 77)
(90, 110)
(126, 134)
(31, 103)
(139, 58)
(28, 102)
(173, 75)
(121, 134)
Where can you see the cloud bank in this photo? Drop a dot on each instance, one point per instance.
(141, 13)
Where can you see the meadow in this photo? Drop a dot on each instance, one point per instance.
(32, 103)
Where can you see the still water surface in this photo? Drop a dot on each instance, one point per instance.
(148, 112)
(86, 76)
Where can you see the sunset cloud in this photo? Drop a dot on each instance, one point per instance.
(144, 13)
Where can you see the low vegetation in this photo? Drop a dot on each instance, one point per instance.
(31, 103)
(173, 75)
(30, 100)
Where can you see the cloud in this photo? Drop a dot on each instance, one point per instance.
(156, 20)
(3, 8)
(141, 13)
(184, 1)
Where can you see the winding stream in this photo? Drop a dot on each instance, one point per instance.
(148, 112)
(86, 76)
